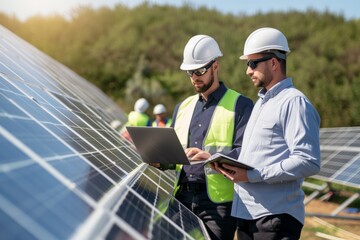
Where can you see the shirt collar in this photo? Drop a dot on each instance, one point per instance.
(266, 95)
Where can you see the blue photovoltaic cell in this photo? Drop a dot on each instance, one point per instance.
(117, 233)
(350, 174)
(64, 172)
(146, 220)
(109, 169)
(38, 195)
(13, 229)
(86, 178)
(45, 144)
(163, 180)
(9, 153)
(340, 151)
(7, 107)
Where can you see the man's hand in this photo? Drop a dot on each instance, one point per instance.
(157, 165)
(234, 174)
(125, 134)
(197, 154)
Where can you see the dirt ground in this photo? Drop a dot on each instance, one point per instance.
(329, 228)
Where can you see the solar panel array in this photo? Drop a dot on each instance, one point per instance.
(64, 172)
(340, 155)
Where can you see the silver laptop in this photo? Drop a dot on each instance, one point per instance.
(158, 145)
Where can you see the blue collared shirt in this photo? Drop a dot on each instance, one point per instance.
(281, 141)
(200, 123)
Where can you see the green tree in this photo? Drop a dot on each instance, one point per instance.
(135, 52)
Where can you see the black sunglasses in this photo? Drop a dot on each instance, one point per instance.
(253, 63)
(201, 71)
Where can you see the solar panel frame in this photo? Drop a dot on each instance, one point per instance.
(340, 156)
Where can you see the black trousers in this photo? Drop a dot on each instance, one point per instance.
(272, 227)
(216, 217)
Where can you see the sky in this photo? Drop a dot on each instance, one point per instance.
(23, 9)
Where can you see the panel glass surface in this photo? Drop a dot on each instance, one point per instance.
(340, 151)
(64, 172)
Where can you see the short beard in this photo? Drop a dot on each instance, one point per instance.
(260, 84)
(206, 86)
(267, 79)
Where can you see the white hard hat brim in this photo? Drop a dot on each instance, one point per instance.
(244, 57)
(278, 54)
(187, 67)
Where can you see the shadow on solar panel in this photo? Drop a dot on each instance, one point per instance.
(64, 172)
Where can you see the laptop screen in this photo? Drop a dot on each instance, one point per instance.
(158, 145)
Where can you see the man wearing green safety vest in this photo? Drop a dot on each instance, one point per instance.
(211, 121)
(137, 117)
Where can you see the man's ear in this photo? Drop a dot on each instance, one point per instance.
(275, 63)
(215, 65)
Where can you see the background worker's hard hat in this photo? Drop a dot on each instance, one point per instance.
(265, 39)
(200, 50)
(141, 105)
(158, 109)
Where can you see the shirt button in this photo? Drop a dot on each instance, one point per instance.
(195, 142)
(199, 125)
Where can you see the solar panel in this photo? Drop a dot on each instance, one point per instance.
(340, 155)
(64, 172)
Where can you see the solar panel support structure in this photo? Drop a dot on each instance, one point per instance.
(340, 164)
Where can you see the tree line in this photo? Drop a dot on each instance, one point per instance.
(136, 52)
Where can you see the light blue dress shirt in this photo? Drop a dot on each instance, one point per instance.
(281, 141)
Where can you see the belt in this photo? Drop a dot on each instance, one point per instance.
(192, 187)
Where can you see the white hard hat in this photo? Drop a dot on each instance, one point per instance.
(266, 39)
(159, 108)
(200, 50)
(141, 105)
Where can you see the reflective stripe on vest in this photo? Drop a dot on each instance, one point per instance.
(137, 119)
(219, 138)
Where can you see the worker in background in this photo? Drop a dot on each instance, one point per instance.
(161, 120)
(137, 117)
(213, 120)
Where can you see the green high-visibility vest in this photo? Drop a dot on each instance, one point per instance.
(219, 138)
(137, 119)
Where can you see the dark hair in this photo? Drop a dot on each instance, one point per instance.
(275, 54)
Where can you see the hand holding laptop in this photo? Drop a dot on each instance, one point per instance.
(231, 172)
(157, 165)
(223, 159)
